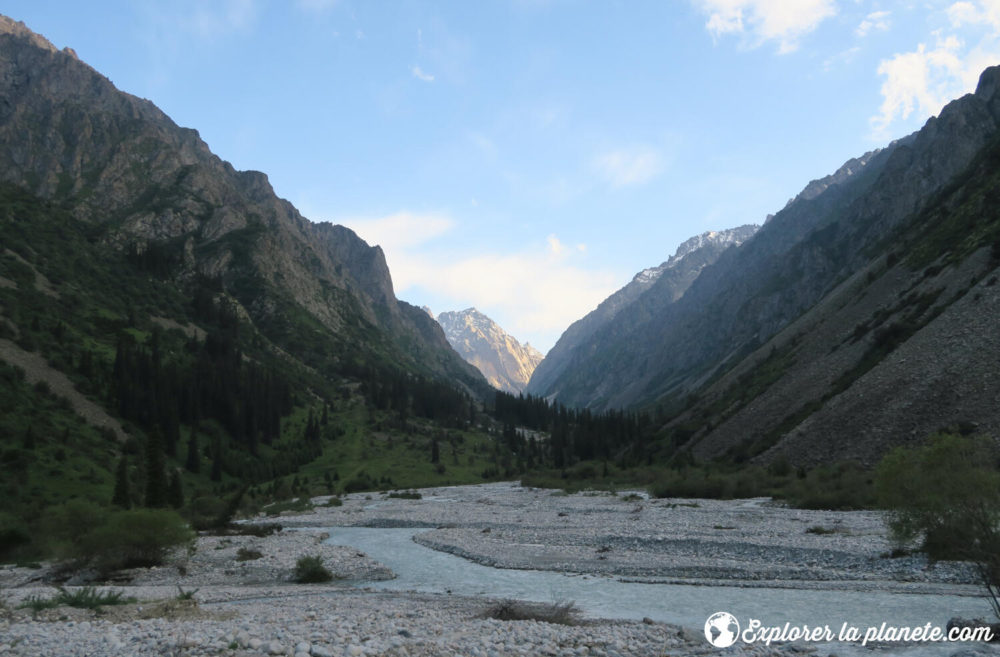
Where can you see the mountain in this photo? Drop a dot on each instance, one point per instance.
(153, 298)
(150, 187)
(506, 364)
(631, 305)
(857, 318)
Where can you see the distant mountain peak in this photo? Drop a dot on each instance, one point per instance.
(722, 238)
(506, 363)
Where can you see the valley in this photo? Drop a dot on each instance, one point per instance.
(223, 409)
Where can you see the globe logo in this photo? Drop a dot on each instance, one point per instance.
(722, 629)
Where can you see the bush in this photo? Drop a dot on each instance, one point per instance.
(946, 494)
(14, 536)
(244, 554)
(66, 528)
(405, 495)
(86, 534)
(310, 570)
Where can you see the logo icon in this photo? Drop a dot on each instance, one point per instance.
(722, 629)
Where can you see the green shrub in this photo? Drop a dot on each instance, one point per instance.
(14, 535)
(245, 554)
(139, 538)
(309, 570)
(66, 528)
(405, 495)
(946, 494)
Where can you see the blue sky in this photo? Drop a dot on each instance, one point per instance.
(529, 157)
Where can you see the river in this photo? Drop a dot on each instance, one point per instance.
(425, 570)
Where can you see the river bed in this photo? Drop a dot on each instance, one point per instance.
(421, 569)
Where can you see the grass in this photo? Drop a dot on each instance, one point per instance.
(560, 613)
(87, 597)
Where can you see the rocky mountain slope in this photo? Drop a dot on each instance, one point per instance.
(505, 362)
(150, 187)
(631, 305)
(164, 315)
(855, 319)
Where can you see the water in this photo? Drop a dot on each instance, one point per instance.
(424, 570)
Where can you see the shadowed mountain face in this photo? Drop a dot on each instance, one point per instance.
(856, 318)
(149, 187)
(631, 305)
(505, 362)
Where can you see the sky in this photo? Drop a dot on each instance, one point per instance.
(529, 157)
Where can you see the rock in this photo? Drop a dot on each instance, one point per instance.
(255, 644)
(302, 646)
(275, 648)
(320, 651)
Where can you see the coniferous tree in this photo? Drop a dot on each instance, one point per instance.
(435, 451)
(216, 474)
(29, 439)
(193, 461)
(156, 478)
(122, 496)
(175, 494)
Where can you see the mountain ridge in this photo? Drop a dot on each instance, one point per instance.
(124, 165)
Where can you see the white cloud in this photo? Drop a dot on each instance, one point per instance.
(624, 167)
(534, 291)
(877, 21)
(420, 75)
(923, 80)
(210, 22)
(401, 230)
(782, 21)
(984, 12)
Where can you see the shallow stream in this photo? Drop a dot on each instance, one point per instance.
(422, 569)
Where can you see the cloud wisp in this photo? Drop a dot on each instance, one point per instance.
(924, 79)
(421, 75)
(628, 166)
(784, 22)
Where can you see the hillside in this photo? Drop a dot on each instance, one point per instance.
(856, 318)
(505, 362)
(629, 307)
(151, 292)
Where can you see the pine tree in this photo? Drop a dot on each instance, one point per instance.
(435, 452)
(175, 494)
(122, 496)
(216, 474)
(29, 439)
(156, 478)
(193, 462)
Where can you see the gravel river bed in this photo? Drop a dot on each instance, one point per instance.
(422, 576)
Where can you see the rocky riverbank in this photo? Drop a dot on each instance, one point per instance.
(243, 602)
(741, 542)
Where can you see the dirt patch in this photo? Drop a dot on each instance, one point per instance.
(37, 369)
